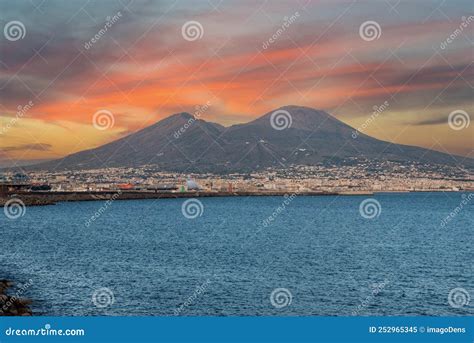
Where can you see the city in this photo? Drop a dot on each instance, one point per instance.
(355, 176)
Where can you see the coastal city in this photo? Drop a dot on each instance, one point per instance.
(351, 178)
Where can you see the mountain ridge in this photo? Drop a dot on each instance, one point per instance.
(289, 135)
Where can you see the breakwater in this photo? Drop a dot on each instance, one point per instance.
(50, 198)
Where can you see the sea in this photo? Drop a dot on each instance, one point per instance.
(388, 254)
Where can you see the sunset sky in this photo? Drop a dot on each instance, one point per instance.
(144, 68)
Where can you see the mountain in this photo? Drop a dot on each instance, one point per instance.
(186, 144)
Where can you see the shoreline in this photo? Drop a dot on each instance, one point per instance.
(51, 198)
(13, 305)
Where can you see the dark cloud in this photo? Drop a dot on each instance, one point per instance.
(435, 74)
(25, 147)
(434, 121)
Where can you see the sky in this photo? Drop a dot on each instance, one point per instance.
(77, 74)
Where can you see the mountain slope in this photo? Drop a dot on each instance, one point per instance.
(183, 143)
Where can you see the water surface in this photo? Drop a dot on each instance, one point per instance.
(331, 259)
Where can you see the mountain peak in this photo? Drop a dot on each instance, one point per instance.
(185, 115)
(298, 117)
(178, 117)
(174, 120)
(298, 108)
